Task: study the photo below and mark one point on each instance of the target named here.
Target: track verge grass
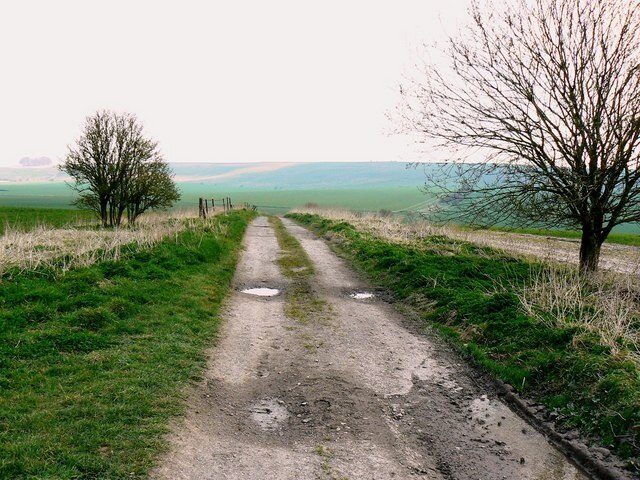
(303, 304)
(468, 293)
(94, 363)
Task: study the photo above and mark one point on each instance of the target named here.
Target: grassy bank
(470, 294)
(93, 363)
(25, 219)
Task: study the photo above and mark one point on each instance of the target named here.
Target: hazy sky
(232, 81)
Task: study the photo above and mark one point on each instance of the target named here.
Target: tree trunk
(589, 251)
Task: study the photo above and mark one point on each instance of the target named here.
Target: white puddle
(262, 292)
(362, 295)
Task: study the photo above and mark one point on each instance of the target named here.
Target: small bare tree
(541, 105)
(117, 169)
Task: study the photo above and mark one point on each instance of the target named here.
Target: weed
(326, 457)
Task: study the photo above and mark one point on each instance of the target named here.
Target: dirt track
(360, 395)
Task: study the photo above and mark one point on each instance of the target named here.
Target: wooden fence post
(200, 209)
(206, 206)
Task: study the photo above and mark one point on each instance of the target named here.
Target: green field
(93, 363)
(25, 218)
(279, 201)
(59, 195)
(37, 195)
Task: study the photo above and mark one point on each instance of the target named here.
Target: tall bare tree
(117, 169)
(541, 104)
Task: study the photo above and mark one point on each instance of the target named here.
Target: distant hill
(300, 176)
(259, 176)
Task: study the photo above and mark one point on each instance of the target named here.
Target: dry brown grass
(64, 248)
(606, 304)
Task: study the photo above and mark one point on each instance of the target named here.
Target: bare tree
(541, 105)
(117, 169)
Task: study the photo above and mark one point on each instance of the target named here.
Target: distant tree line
(117, 170)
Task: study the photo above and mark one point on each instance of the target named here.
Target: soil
(358, 395)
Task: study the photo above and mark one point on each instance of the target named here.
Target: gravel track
(360, 395)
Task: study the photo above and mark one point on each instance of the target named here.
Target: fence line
(204, 204)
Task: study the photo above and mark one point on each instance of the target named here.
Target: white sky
(213, 81)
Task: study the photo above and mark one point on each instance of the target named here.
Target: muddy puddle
(269, 414)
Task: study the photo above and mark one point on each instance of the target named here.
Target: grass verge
(302, 303)
(469, 293)
(93, 363)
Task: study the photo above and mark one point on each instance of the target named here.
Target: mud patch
(261, 291)
(436, 373)
(269, 414)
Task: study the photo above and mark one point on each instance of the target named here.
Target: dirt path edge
(574, 449)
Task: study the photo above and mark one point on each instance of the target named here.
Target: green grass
(25, 219)
(631, 239)
(37, 195)
(94, 363)
(565, 368)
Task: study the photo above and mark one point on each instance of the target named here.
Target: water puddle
(262, 291)
(362, 295)
(269, 413)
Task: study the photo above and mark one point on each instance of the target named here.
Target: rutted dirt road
(357, 395)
